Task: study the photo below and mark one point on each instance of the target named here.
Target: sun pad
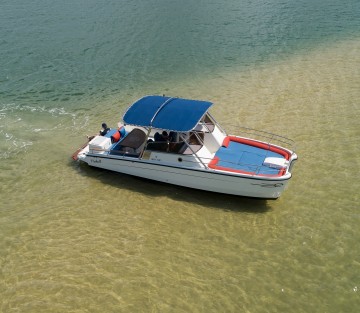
(244, 158)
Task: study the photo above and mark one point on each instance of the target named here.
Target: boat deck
(240, 155)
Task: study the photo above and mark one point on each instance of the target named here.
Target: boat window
(193, 142)
(208, 123)
(179, 143)
(196, 138)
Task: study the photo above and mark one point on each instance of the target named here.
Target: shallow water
(77, 239)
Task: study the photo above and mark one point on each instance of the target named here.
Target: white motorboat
(177, 141)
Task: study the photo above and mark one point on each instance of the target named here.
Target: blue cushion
(111, 132)
(122, 131)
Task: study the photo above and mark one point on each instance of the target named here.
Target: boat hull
(203, 179)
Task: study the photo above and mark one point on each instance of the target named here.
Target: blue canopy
(166, 113)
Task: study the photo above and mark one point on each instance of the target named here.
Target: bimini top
(166, 113)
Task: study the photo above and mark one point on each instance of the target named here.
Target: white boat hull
(203, 179)
(177, 141)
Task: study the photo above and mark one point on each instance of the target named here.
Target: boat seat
(177, 147)
(158, 146)
(130, 144)
(111, 132)
(172, 147)
(134, 139)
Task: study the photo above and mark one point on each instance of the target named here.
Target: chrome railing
(260, 135)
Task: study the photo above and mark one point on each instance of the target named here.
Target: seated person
(104, 129)
(163, 137)
(173, 137)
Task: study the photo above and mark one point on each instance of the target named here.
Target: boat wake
(22, 125)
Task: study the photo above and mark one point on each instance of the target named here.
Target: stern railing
(264, 136)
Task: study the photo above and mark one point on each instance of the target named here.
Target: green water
(77, 239)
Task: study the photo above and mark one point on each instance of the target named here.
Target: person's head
(103, 125)
(165, 134)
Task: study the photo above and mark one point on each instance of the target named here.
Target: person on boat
(163, 137)
(104, 129)
(172, 136)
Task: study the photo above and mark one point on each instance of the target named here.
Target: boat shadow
(178, 193)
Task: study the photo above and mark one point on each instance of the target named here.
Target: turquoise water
(77, 239)
(57, 52)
